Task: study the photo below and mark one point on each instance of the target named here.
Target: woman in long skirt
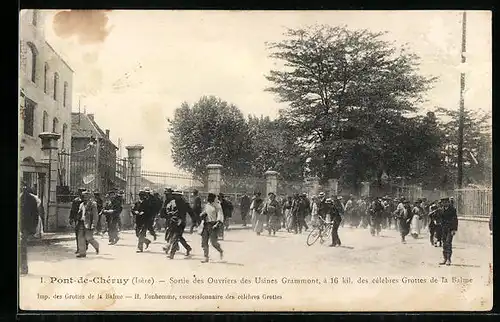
(287, 211)
(255, 208)
(415, 220)
(272, 211)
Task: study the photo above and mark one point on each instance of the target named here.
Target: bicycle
(322, 232)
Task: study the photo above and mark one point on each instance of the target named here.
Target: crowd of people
(92, 215)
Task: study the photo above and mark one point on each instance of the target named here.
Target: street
(281, 261)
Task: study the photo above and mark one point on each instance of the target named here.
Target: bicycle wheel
(313, 236)
(326, 234)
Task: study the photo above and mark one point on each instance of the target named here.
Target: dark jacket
(227, 208)
(449, 218)
(180, 209)
(90, 214)
(114, 207)
(197, 208)
(323, 208)
(75, 205)
(29, 213)
(245, 203)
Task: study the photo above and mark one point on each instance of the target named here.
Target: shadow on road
(58, 252)
(228, 263)
(465, 265)
(230, 240)
(346, 247)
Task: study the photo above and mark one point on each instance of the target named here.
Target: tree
(274, 148)
(210, 131)
(348, 92)
(477, 162)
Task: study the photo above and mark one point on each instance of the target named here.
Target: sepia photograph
(255, 161)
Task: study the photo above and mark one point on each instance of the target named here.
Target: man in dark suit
(28, 222)
(75, 206)
(195, 221)
(245, 208)
(449, 224)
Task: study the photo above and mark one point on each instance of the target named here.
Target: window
(56, 82)
(34, 21)
(29, 116)
(55, 123)
(45, 78)
(45, 121)
(65, 93)
(64, 130)
(31, 62)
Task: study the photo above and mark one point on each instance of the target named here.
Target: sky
(134, 68)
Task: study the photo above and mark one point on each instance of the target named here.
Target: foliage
(348, 92)
(210, 131)
(476, 146)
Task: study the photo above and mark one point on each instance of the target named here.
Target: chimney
(107, 133)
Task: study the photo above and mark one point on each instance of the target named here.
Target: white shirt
(214, 212)
(82, 209)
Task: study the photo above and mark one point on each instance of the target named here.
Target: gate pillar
(214, 178)
(134, 177)
(50, 156)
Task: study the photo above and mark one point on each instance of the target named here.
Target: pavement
(400, 277)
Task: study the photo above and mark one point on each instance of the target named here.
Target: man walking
(175, 210)
(227, 212)
(212, 221)
(449, 222)
(196, 210)
(75, 206)
(376, 213)
(100, 205)
(152, 206)
(141, 210)
(28, 222)
(435, 226)
(336, 217)
(85, 223)
(112, 211)
(244, 208)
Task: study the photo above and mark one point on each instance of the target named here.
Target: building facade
(93, 157)
(46, 84)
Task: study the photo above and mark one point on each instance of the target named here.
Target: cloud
(88, 25)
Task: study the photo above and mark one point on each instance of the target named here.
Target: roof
(84, 126)
(59, 56)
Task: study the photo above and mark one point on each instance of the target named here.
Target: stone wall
(474, 231)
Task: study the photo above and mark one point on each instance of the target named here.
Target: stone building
(46, 83)
(93, 157)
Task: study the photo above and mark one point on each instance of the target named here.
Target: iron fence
(474, 202)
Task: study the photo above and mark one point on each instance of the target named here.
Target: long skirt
(255, 216)
(289, 219)
(415, 225)
(273, 223)
(259, 225)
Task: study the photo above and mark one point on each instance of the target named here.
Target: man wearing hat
(197, 209)
(272, 212)
(403, 215)
(212, 221)
(245, 208)
(435, 228)
(86, 220)
(100, 205)
(449, 223)
(151, 208)
(140, 210)
(174, 210)
(112, 211)
(75, 206)
(227, 212)
(376, 213)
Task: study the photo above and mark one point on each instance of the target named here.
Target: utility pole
(461, 114)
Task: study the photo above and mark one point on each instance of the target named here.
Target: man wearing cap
(100, 205)
(140, 211)
(435, 226)
(151, 206)
(403, 215)
(75, 206)
(244, 208)
(227, 212)
(212, 220)
(449, 223)
(376, 213)
(86, 220)
(112, 211)
(174, 211)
